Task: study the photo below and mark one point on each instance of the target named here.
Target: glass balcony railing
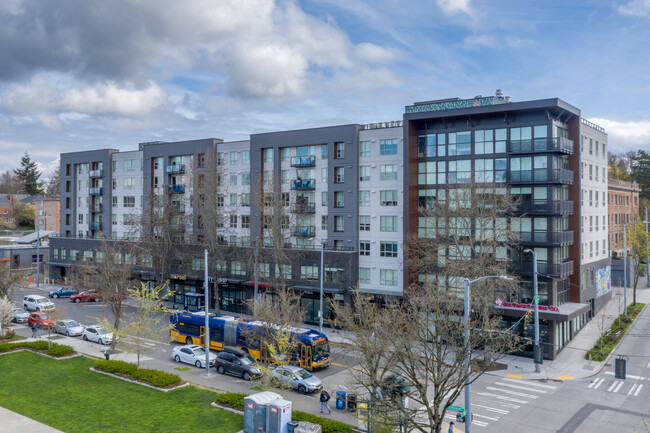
(303, 184)
(96, 173)
(555, 270)
(303, 161)
(542, 175)
(546, 238)
(97, 208)
(95, 226)
(175, 168)
(305, 231)
(177, 189)
(96, 191)
(301, 208)
(546, 207)
(557, 144)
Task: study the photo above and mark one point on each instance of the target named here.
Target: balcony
(545, 207)
(96, 191)
(178, 207)
(97, 208)
(302, 208)
(303, 184)
(303, 161)
(175, 169)
(560, 238)
(96, 173)
(557, 144)
(554, 270)
(542, 175)
(95, 226)
(305, 231)
(176, 189)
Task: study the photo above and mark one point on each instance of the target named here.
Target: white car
(20, 315)
(37, 303)
(192, 354)
(97, 334)
(68, 327)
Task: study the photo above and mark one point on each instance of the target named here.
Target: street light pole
(320, 305)
(207, 316)
(647, 258)
(255, 284)
(38, 256)
(468, 386)
(536, 303)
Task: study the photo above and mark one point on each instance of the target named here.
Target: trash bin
(107, 355)
(340, 400)
(291, 426)
(352, 402)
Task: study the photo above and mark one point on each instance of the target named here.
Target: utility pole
(207, 316)
(38, 256)
(647, 259)
(536, 303)
(255, 282)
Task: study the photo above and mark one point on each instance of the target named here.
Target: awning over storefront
(317, 289)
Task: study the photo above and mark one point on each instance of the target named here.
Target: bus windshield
(321, 349)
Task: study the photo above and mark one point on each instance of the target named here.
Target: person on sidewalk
(34, 330)
(40, 329)
(451, 427)
(324, 398)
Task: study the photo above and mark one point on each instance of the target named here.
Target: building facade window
(388, 172)
(388, 249)
(388, 223)
(388, 277)
(364, 173)
(364, 248)
(388, 198)
(339, 150)
(364, 275)
(364, 223)
(364, 198)
(364, 148)
(388, 147)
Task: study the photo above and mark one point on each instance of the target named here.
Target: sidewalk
(14, 422)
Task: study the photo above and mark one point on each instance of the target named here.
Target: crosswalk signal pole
(537, 359)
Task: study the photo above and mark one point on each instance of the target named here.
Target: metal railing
(176, 189)
(303, 161)
(546, 207)
(300, 208)
(542, 175)
(545, 268)
(303, 184)
(96, 191)
(96, 173)
(552, 238)
(305, 231)
(175, 168)
(556, 144)
(97, 208)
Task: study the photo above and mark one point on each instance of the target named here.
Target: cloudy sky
(86, 74)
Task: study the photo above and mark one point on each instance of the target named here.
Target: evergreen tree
(640, 171)
(29, 174)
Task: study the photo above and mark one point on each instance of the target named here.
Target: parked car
(69, 327)
(238, 363)
(297, 378)
(97, 334)
(40, 317)
(192, 354)
(86, 296)
(37, 303)
(20, 315)
(63, 292)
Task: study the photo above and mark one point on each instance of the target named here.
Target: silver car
(71, 328)
(297, 378)
(20, 315)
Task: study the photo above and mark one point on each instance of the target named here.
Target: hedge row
(614, 334)
(160, 379)
(236, 401)
(55, 350)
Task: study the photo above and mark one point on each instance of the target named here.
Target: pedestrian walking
(451, 427)
(34, 334)
(40, 329)
(324, 398)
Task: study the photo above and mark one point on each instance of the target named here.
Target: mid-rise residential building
(46, 214)
(623, 208)
(7, 220)
(351, 193)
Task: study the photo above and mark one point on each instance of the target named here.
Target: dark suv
(237, 363)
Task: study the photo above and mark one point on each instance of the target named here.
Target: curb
(229, 409)
(140, 383)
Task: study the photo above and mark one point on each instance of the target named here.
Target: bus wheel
(189, 340)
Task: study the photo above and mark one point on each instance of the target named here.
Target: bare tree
(11, 183)
(53, 185)
(9, 281)
(111, 274)
(418, 349)
(6, 314)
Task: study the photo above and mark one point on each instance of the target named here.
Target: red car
(85, 296)
(40, 317)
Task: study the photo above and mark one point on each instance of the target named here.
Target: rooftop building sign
(453, 104)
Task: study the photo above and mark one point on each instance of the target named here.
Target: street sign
(457, 408)
(537, 300)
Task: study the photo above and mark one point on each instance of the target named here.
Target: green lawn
(68, 396)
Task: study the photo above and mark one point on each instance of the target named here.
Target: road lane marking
(541, 391)
(596, 383)
(619, 386)
(630, 376)
(501, 397)
(492, 409)
(633, 388)
(538, 385)
(648, 366)
(507, 391)
(638, 390)
(518, 376)
(612, 386)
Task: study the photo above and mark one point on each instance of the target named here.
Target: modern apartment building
(623, 208)
(530, 148)
(47, 214)
(354, 191)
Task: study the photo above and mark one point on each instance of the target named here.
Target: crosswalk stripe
(627, 376)
(633, 388)
(541, 391)
(599, 381)
(612, 386)
(507, 391)
(492, 409)
(538, 385)
(484, 416)
(618, 387)
(500, 397)
(638, 390)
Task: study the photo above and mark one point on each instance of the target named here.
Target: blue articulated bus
(312, 351)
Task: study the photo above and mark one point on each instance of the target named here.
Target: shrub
(35, 345)
(58, 350)
(8, 334)
(232, 399)
(156, 377)
(329, 426)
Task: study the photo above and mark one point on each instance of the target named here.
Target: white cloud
(480, 41)
(47, 94)
(625, 136)
(450, 7)
(637, 8)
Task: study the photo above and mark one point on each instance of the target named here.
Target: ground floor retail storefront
(557, 325)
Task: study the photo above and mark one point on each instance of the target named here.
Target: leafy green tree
(29, 174)
(23, 214)
(640, 171)
(637, 245)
